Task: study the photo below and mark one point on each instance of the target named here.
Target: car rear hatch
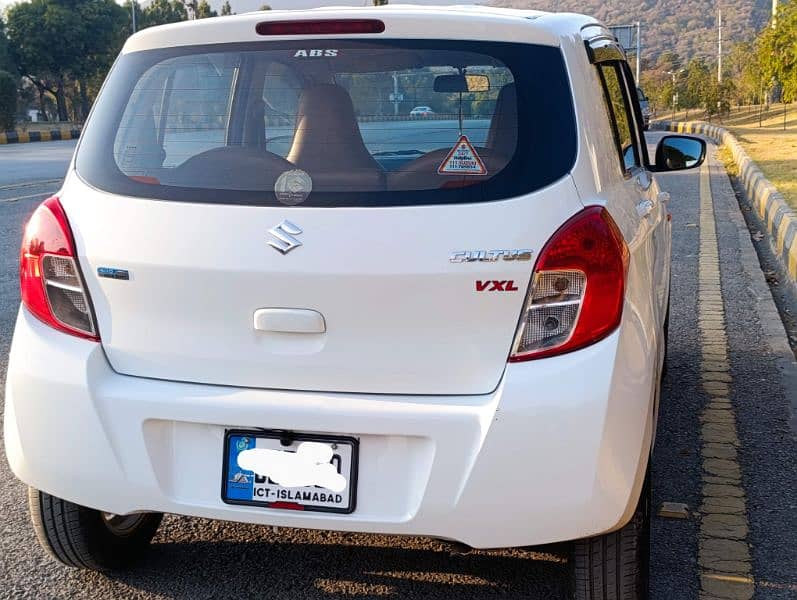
(251, 215)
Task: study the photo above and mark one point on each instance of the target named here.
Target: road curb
(18, 136)
(772, 212)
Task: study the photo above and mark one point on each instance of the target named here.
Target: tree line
(55, 54)
(758, 71)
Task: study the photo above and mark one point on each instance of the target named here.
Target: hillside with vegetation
(685, 27)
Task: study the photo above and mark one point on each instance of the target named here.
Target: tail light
(50, 282)
(577, 290)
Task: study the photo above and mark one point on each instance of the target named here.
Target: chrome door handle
(643, 180)
(644, 208)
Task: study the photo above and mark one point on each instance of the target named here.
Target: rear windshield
(332, 123)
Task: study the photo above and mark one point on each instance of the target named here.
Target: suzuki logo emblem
(284, 232)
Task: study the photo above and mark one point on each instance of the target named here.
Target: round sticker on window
(293, 187)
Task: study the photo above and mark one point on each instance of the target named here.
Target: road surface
(196, 558)
(20, 163)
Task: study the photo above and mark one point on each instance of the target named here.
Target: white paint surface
(309, 465)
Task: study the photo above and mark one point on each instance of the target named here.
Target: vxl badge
(283, 237)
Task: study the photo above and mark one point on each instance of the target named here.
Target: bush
(8, 101)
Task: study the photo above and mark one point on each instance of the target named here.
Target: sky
(241, 6)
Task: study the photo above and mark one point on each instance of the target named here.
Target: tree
(265, 7)
(696, 84)
(6, 61)
(226, 9)
(127, 5)
(778, 51)
(8, 100)
(743, 67)
(33, 28)
(657, 85)
(161, 12)
(59, 44)
(657, 81)
(203, 10)
(103, 23)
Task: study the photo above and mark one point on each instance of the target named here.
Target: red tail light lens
(578, 288)
(320, 27)
(50, 282)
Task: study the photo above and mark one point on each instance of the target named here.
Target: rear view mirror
(676, 152)
(461, 83)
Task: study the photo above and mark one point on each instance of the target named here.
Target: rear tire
(86, 538)
(614, 566)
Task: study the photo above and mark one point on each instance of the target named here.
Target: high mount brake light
(577, 290)
(320, 27)
(49, 279)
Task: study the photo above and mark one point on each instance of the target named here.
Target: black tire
(614, 566)
(86, 538)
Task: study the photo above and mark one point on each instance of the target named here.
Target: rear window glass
(332, 123)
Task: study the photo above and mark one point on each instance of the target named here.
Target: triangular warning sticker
(462, 160)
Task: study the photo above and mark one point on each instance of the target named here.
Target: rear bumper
(558, 451)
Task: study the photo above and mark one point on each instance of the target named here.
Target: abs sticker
(316, 53)
(462, 160)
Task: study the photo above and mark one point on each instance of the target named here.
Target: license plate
(286, 470)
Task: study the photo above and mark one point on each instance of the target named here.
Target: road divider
(19, 136)
(773, 214)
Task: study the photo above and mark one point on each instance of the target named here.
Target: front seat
(328, 145)
(502, 138)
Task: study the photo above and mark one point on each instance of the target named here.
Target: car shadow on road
(344, 565)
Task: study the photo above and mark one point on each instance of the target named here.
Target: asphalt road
(196, 558)
(20, 163)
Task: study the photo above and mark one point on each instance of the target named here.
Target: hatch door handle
(289, 320)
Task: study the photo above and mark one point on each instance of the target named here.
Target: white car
(421, 111)
(467, 317)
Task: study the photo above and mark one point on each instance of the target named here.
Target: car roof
(485, 23)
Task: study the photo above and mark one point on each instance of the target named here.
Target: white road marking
(18, 198)
(24, 184)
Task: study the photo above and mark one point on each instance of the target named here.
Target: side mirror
(677, 152)
(461, 83)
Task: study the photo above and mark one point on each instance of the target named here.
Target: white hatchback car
(263, 297)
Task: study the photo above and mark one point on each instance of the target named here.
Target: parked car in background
(447, 330)
(644, 105)
(421, 111)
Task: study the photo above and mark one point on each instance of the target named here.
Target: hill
(684, 26)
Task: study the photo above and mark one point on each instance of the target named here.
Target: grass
(771, 146)
(726, 157)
